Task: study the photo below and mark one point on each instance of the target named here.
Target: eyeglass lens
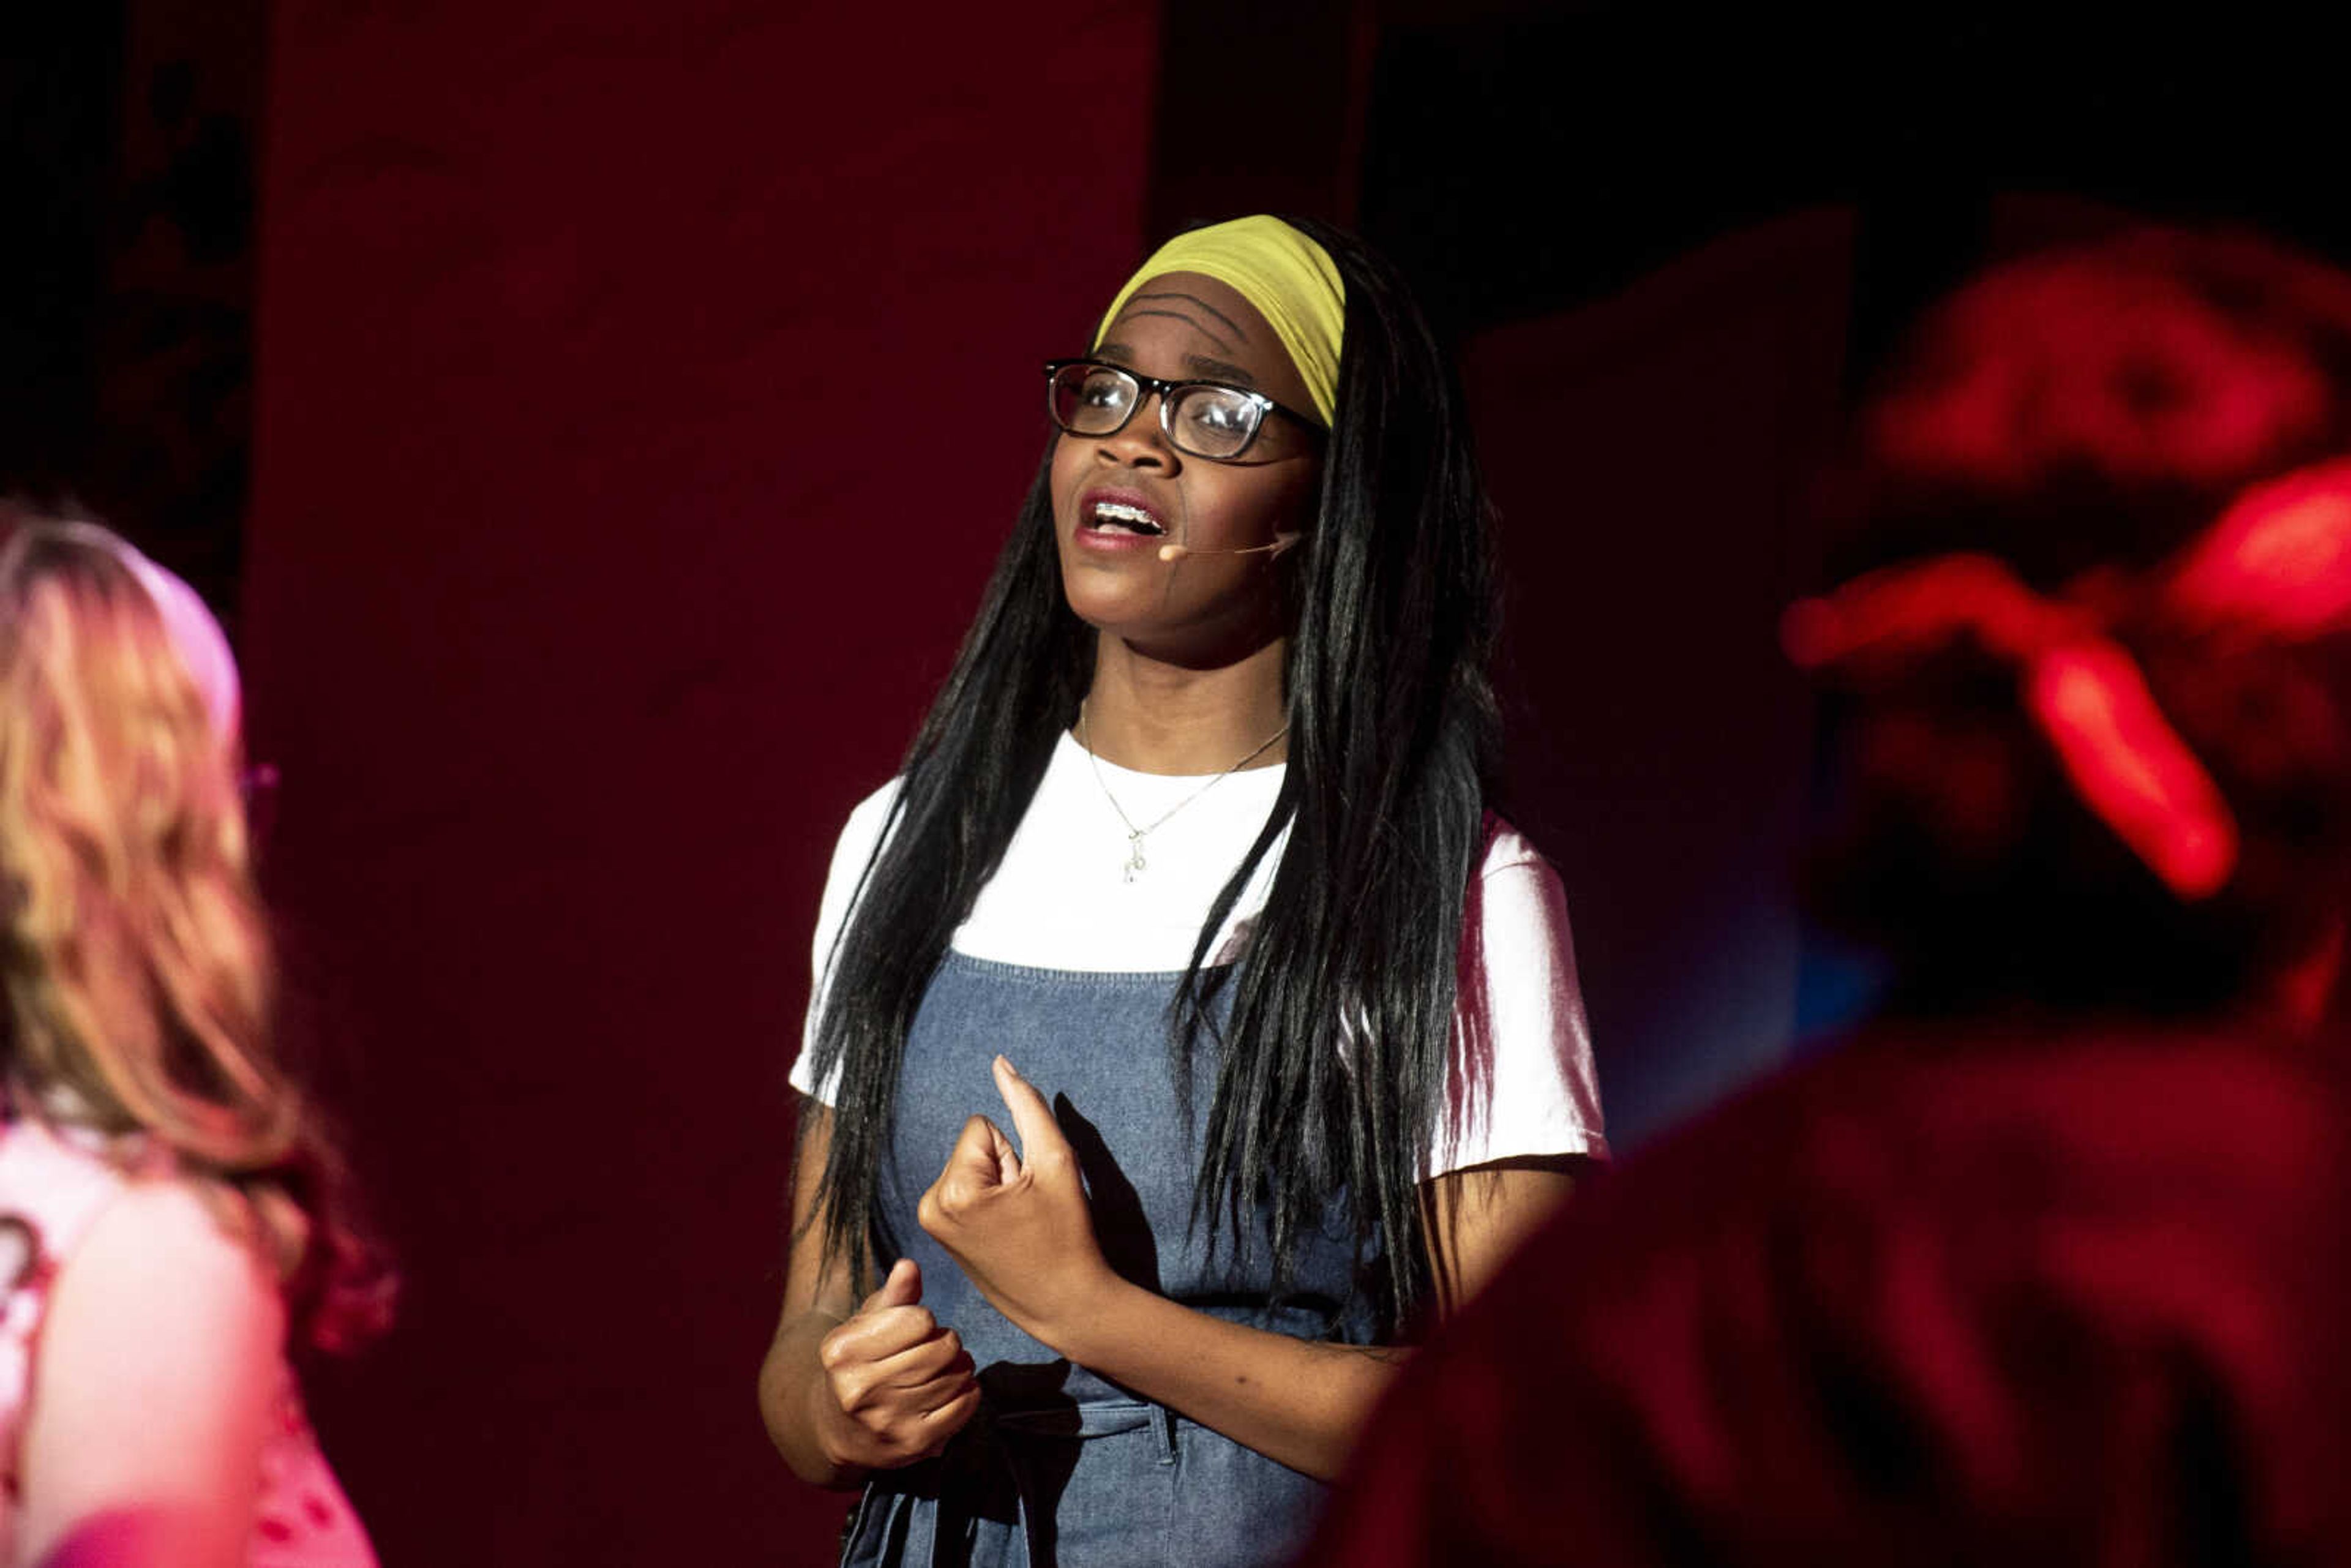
(1203, 420)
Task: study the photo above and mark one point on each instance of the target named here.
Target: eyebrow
(1219, 370)
(1202, 367)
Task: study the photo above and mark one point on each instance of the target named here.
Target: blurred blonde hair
(137, 961)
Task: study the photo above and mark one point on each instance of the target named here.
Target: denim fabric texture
(1062, 1468)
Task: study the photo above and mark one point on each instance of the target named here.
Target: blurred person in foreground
(169, 1212)
(2045, 1264)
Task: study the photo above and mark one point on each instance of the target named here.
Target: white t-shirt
(1061, 900)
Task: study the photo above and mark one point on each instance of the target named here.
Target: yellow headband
(1285, 274)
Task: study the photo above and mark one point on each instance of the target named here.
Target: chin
(1106, 608)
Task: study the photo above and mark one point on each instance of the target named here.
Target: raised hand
(1016, 1219)
(897, 1385)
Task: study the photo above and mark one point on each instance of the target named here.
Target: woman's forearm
(1019, 1222)
(1299, 1402)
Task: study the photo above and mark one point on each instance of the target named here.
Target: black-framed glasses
(1204, 418)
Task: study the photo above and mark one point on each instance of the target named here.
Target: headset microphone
(1282, 541)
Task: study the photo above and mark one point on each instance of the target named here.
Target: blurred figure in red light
(2047, 1263)
(169, 1213)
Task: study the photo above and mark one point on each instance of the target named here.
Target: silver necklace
(1136, 866)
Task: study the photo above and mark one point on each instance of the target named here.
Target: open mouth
(1123, 518)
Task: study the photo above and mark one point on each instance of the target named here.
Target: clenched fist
(1018, 1220)
(896, 1384)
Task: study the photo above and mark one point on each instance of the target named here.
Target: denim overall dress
(1060, 1467)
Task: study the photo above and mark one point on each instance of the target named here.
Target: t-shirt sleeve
(850, 853)
(1521, 1083)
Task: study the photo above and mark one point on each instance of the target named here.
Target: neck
(1157, 717)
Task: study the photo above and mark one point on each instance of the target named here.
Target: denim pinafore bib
(1060, 1467)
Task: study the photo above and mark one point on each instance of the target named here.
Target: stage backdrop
(1651, 456)
(644, 393)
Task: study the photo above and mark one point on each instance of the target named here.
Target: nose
(1140, 442)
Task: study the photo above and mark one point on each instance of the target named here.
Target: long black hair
(1335, 1048)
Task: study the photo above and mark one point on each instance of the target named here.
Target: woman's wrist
(827, 1435)
(1076, 1324)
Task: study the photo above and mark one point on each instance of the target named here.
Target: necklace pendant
(1135, 866)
